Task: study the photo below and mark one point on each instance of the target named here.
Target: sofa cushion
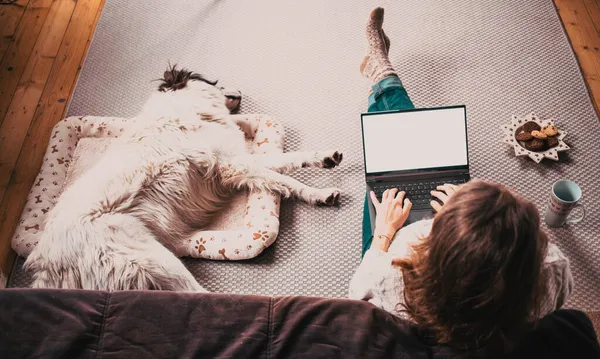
(151, 324)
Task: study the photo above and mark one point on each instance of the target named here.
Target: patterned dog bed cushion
(248, 225)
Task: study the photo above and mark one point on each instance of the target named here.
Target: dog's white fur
(116, 226)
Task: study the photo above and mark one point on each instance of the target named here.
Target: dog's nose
(232, 98)
(232, 103)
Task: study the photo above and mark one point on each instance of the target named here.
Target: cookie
(535, 145)
(530, 126)
(550, 130)
(552, 142)
(539, 135)
(524, 136)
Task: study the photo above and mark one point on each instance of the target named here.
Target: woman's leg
(388, 94)
(388, 91)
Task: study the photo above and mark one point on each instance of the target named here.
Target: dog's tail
(111, 252)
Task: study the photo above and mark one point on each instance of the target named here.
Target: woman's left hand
(443, 193)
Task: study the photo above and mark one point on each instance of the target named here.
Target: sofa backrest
(139, 324)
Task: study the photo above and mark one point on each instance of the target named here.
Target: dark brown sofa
(140, 324)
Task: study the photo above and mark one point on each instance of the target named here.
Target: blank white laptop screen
(415, 140)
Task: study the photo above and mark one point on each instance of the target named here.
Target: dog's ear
(168, 75)
(199, 77)
(173, 79)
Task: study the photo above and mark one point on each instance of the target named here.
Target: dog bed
(241, 231)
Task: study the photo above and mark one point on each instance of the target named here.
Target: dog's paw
(333, 160)
(330, 197)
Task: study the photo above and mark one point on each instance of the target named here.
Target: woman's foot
(376, 65)
(386, 41)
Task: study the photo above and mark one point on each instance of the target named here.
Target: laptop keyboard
(419, 192)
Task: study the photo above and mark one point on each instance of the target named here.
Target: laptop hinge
(420, 175)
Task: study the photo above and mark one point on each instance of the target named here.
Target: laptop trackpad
(417, 215)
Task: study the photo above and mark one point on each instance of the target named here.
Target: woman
(479, 273)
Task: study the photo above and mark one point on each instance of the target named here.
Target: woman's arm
(376, 277)
(559, 281)
(369, 274)
(376, 280)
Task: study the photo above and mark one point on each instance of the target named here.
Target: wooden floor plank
(29, 90)
(20, 49)
(593, 10)
(10, 16)
(582, 33)
(585, 40)
(51, 109)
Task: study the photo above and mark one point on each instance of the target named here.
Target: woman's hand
(443, 193)
(391, 212)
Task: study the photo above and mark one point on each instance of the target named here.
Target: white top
(381, 284)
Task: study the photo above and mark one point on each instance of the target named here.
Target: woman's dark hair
(475, 281)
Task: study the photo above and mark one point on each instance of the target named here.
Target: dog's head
(178, 79)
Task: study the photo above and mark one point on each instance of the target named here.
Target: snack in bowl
(535, 145)
(539, 135)
(530, 126)
(552, 142)
(524, 136)
(550, 130)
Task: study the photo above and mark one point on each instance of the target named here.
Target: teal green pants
(388, 94)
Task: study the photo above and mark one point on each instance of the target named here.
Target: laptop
(415, 151)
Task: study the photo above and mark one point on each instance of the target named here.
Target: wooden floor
(43, 44)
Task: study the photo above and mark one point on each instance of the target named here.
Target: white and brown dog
(181, 160)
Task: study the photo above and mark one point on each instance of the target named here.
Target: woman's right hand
(391, 212)
(443, 193)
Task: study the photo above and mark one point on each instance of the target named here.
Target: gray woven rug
(298, 61)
